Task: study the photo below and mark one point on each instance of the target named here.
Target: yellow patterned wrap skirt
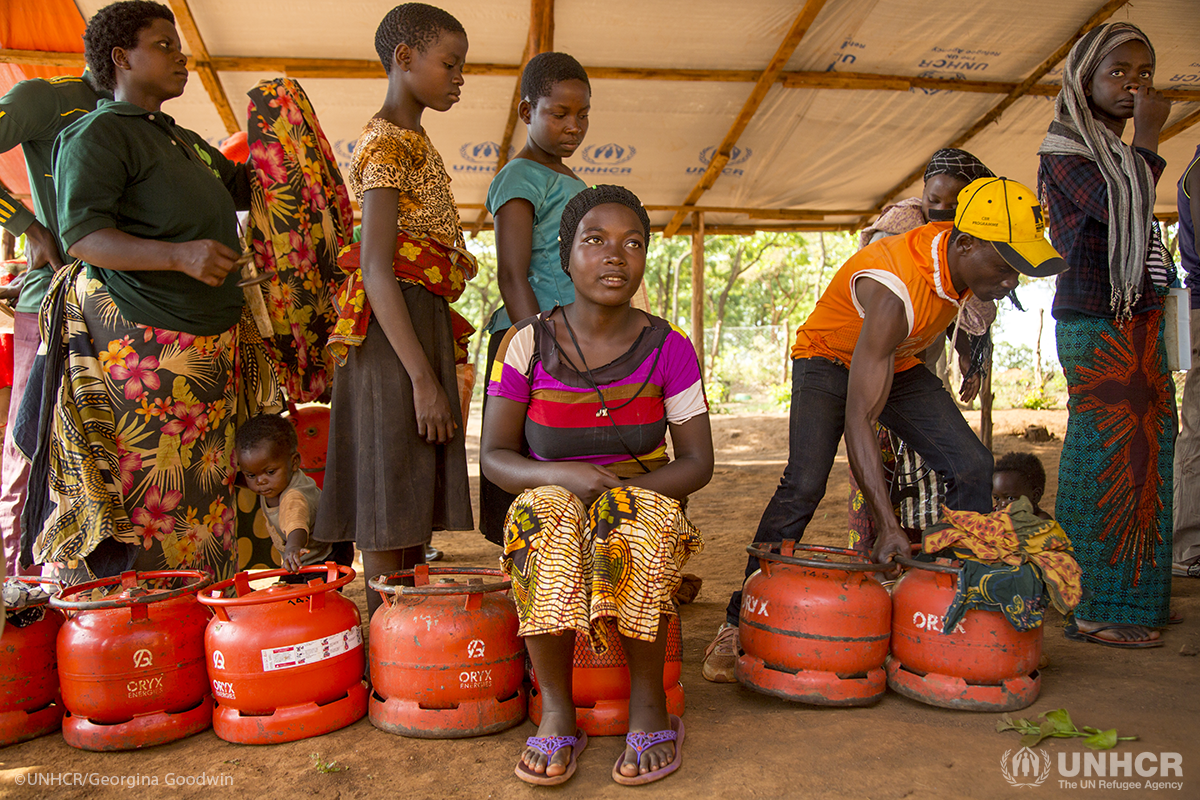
(572, 566)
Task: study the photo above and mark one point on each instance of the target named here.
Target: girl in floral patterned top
(396, 469)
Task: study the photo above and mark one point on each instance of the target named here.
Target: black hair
(117, 25)
(417, 25)
(546, 69)
(267, 428)
(1027, 465)
(578, 207)
(957, 164)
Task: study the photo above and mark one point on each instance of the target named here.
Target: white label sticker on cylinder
(297, 655)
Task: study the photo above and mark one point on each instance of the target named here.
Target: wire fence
(747, 361)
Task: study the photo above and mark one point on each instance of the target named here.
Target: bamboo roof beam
(1022, 89)
(202, 65)
(362, 69)
(1179, 127)
(792, 214)
(541, 40)
(766, 80)
(781, 214)
(43, 58)
(737, 230)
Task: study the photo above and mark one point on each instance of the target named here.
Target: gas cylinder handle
(381, 583)
(61, 600)
(37, 579)
(949, 569)
(257, 598)
(765, 552)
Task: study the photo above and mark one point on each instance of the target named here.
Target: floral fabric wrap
(1014, 536)
(300, 218)
(141, 444)
(440, 268)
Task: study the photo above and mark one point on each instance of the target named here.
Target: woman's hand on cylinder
(435, 423)
(206, 260)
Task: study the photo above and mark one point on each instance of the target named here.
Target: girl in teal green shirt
(527, 198)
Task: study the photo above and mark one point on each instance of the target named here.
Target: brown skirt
(386, 488)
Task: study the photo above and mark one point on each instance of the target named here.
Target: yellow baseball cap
(1008, 215)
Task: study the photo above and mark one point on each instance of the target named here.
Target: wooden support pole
(804, 20)
(201, 64)
(1023, 88)
(540, 40)
(698, 285)
(985, 405)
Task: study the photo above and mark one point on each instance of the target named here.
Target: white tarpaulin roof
(803, 148)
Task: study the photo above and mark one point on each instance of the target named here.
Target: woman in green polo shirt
(157, 368)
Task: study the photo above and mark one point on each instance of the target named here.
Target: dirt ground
(739, 743)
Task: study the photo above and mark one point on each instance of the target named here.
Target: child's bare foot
(657, 756)
(553, 724)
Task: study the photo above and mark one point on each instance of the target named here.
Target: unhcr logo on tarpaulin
(607, 159)
(740, 155)
(480, 157)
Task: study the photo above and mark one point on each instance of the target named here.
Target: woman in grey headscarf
(1115, 475)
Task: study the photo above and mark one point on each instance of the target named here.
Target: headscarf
(957, 164)
(1075, 132)
(907, 214)
(578, 207)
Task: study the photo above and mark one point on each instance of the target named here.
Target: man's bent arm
(885, 326)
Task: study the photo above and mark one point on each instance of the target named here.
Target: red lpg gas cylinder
(984, 664)
(814, 630)
(600, 682)
(131, 664)
(286, 662)
(312, 433)
(446, 661)
(30, 701)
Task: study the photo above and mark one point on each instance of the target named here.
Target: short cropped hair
(117, 25)
(1027, 465)
(546, 69)
(279, 432)
(417, 25)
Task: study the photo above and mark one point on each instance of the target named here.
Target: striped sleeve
(511, 376)
(683, 387)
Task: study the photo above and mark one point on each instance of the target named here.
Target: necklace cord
(605, 411)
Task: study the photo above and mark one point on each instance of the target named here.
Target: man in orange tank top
(857, 361)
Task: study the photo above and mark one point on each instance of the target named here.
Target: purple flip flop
(549, 745)
(641, 741)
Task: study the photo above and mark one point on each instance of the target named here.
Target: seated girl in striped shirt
(598, 529)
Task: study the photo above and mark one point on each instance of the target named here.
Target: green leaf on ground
(1102, 740)
(1060, 719)
(1058, 724)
